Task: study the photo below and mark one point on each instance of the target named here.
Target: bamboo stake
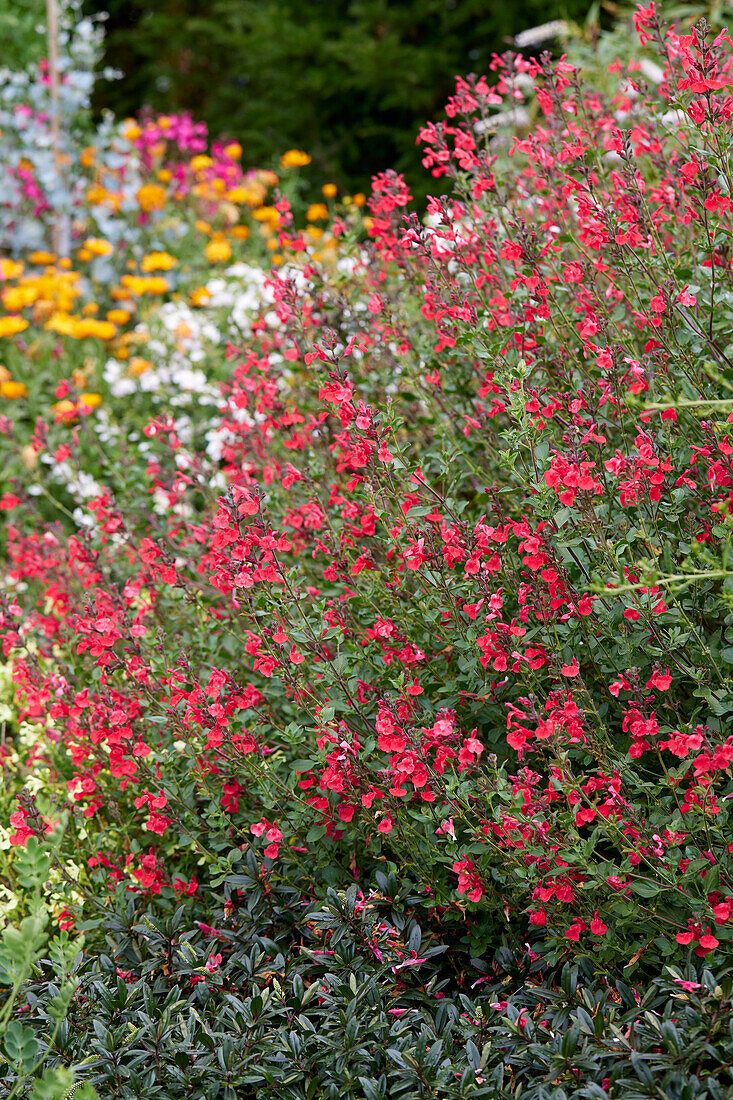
(58, 234)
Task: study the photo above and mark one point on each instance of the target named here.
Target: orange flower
(294, 158)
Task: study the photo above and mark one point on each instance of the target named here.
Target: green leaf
(645, 889)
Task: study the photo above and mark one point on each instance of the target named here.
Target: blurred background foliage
(349, 81)
(22, 33)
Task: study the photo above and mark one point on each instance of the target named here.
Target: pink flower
(213, 963)
(689, 987)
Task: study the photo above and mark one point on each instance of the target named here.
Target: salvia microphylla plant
(452, 593)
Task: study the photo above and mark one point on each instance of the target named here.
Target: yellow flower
(97, 194)
(158, 261)
(329, 190)
(84, 255)
(218, 251)
(164, 122)
(240, 232)
(131, 130)
(87, 327)
(65, 263)
(91, 400)
(65, 408)
(200, 296)
(118, 316)
(267, 214)
(41, 258)
(145, 284)
(314, 232)
(294, 158)
(11, 326)
(317, 211)
(138, 366)
(100, 330)
(87, 156)
(89, 309)
(252, 194)
(202, 226)
(233, 150)
(98, 247)
(151, 196)
(200, 162)
(18, 297)
(10, 269)
(164, 175)
(13, 390)
(60, 322)
(237, 194)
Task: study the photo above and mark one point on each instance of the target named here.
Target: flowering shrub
(445, 588)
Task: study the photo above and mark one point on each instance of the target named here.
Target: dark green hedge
(302, 1000)
(350, 81)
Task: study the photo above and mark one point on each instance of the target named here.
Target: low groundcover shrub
(402, 675)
